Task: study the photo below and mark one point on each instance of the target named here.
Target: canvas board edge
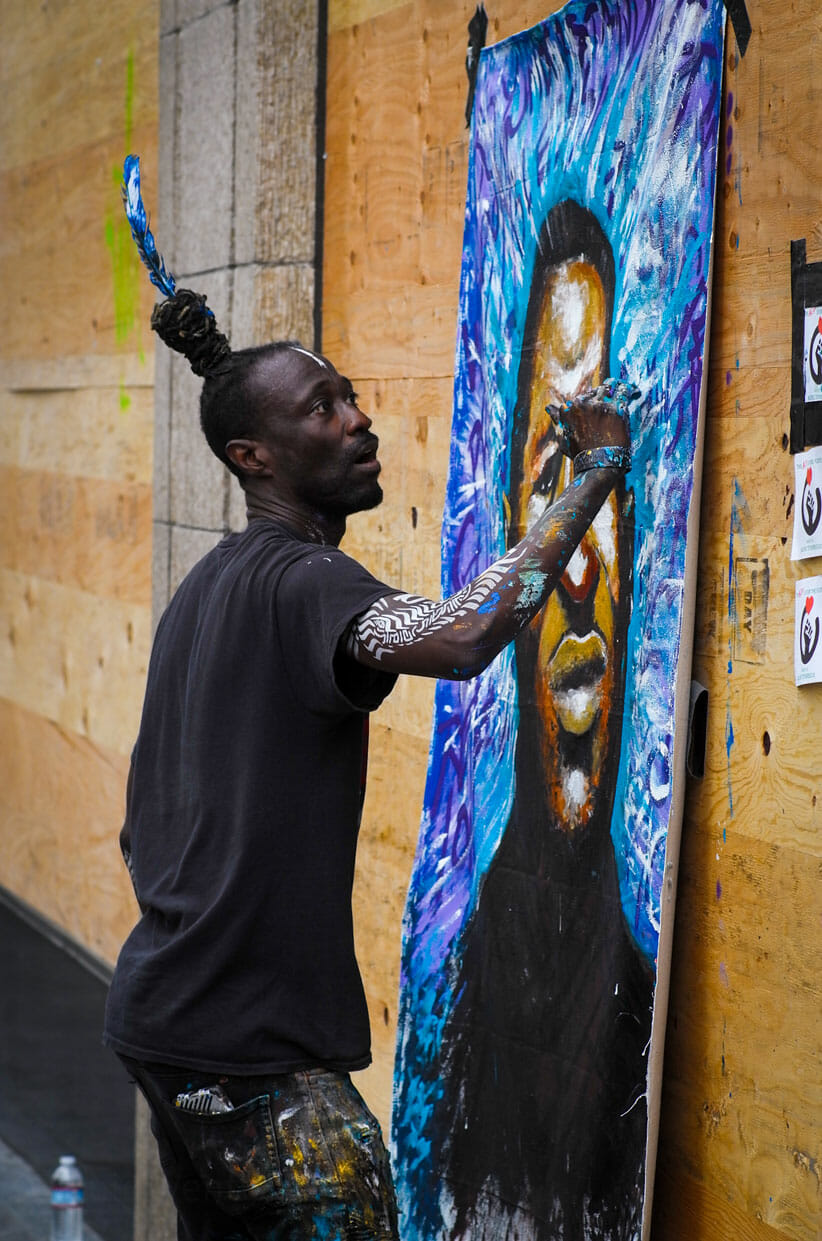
(659, 1021)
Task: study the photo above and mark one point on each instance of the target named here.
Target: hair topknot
(185, 323)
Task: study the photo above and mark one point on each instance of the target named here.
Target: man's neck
(309, 525)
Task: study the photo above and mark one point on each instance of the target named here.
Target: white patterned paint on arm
(398, 621)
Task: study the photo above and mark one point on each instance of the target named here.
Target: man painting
(237, 1003)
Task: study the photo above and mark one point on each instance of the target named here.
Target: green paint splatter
(125, 264)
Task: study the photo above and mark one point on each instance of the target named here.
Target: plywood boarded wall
(740, 1150)
(739, 1156)
(78, 88)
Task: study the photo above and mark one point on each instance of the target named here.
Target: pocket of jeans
(234, 1153)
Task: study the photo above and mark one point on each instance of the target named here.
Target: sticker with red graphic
(813, 353)
(807, 504)
(807, 655)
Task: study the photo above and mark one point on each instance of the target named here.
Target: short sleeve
(318, 597)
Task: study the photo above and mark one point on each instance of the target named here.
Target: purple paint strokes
(718, 890)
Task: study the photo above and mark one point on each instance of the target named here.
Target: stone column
(241, 105)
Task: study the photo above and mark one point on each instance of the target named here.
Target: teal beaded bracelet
(611, 456)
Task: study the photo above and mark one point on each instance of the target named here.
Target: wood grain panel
(395, 181)
(70, 372)
(726, 617)
(740, 1111)
(62, 69)
(686, 1208)
(345, 13)
(70, 284)
(61, 807)
(375, 227)
(387, 843)
(743, 1105)
(81, 432)
(750, 474)
(91, 534)
(410, 333)
(75, 658)
(400, 543)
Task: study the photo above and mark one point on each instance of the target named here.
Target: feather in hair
(158, 274)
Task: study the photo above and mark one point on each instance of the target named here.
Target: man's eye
(353, 397)
(321, 407)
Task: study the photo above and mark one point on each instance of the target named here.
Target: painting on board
(535, 943)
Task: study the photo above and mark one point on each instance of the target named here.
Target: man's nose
(581, 572)
(357, 421)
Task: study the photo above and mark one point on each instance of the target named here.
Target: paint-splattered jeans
(298, 1158)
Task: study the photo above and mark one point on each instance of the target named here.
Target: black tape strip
(806, 290)
(740, 22)
(477, 30)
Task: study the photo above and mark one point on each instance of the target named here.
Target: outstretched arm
(458, 638)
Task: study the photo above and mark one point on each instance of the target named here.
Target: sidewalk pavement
(25, 1213)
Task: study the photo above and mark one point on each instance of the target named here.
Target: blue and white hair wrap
(158, 273)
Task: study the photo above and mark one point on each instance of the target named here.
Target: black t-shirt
(243, 813)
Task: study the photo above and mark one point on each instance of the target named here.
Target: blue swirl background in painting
(614, 104)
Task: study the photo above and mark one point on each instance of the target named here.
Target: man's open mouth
(367, 456)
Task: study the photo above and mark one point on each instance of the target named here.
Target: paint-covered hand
(459, 637)
(595, 419)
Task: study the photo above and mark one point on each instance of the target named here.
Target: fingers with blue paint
(560, 427)
(614, 392)
(596, 423)
(459, 636)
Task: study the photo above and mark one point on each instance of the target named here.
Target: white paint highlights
(308, 354)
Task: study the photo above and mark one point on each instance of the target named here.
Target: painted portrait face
(569, 660)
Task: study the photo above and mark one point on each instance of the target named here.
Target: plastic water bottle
(67, 1201)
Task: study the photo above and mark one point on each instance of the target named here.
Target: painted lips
(575, 677)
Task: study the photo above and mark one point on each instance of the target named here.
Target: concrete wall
(237, 165)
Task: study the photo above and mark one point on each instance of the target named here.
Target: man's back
(243, 815)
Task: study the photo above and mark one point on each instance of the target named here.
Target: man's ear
(249, 456)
